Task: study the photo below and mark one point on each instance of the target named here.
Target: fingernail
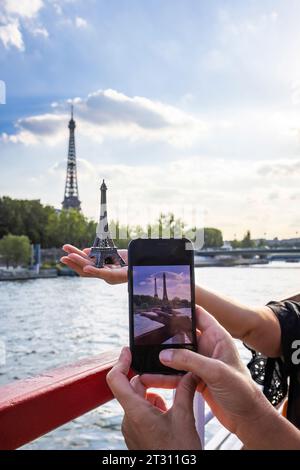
(124, 352)
(166, 355)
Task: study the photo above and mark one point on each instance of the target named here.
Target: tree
(70, 226)
(247, 242)
(52, 228)
(24, 217)
(213, 237)
(15, 250)
(235, 243)
(261, 243)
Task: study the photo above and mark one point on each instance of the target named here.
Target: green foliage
(246, 242)
(146, 302)
(52, 228)
(24, 217)
(235, 244)
(262, 243)
(213, 238)
(69, 226)
(15, 250)
(43, 224)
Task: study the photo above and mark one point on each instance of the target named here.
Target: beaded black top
(281, 376)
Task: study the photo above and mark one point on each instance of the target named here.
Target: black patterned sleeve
(273, 373)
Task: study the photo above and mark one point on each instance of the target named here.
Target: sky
(177, 280)
(190, 106)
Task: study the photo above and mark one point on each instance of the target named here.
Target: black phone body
(161, 290)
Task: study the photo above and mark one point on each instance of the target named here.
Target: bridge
(282, 253)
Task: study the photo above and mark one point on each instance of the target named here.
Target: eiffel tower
(155, 289)
(71, 199)
(103, 250)
(166, 306)
(165, 294)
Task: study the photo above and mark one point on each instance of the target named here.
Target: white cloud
(22, 8)
(40, 32)
(234, 196)
(289, 168)
(110, 114)
(80, 22)
(15, 15)
(236, 26)
(11, 36)
(32, 130)
(18, 15)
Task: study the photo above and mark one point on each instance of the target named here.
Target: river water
(49, 322)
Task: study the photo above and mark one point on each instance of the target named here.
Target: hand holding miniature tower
(104, 250)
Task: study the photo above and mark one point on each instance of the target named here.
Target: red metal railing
(32, 407)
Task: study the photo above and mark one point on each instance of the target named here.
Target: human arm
(258, 327)
(271, 431)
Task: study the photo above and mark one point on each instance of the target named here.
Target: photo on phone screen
(162, 309)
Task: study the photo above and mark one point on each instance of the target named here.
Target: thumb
(208, 369)
(185, 393)
(138, 386)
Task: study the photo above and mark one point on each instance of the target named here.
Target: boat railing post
(199, 413)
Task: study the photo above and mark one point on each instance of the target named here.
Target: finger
(80, 260)
(124, 255)
(160, 381)
(104, 273)
(156, 400)
(185, 392)
(204, 319)
(138, 386)
(169, 382)
(72, 249)
(119, 384)
(86, 251)
(208, 369)
(114, 276)
(65, 260)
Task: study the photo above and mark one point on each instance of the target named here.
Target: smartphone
(161, 290)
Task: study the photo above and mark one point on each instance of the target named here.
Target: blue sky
(178, 104)
(177, 280)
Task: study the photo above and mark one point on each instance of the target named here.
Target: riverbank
(200, 262)
(29, 274)
(226, 261)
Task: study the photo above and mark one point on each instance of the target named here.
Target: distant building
(284, 243)
(226, 246)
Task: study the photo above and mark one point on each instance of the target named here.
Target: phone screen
(162, 310)
(161, 290)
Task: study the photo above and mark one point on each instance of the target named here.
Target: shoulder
(288, 315)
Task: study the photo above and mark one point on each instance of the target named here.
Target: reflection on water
(45, 323)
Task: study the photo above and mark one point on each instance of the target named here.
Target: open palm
(79, 261)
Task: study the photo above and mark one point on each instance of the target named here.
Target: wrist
(265, 428)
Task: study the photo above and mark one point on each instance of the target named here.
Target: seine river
(46, 323)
